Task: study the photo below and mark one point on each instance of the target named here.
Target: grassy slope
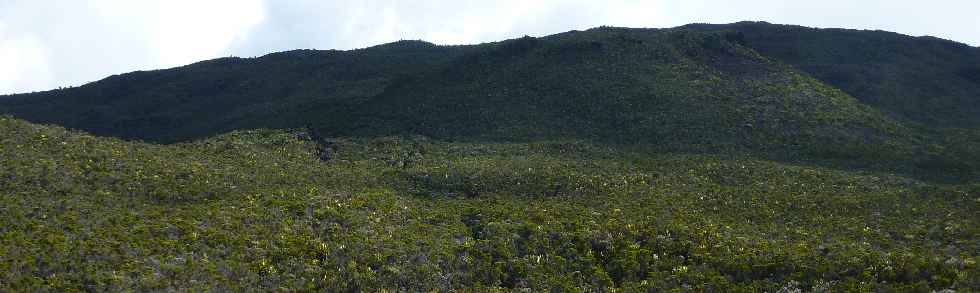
(253, 210)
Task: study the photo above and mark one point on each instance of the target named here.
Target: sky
(46, 44)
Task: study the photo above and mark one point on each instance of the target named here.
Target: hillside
(747, 157)
(924, 79)
(256, 210)
(221, 95)
(775, 91)
(616, 85)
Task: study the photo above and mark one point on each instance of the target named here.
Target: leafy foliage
(257, 210)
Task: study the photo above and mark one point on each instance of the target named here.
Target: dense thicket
(259, 211)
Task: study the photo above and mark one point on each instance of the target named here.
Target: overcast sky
(46, 44)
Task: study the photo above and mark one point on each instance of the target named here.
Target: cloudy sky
(46, 44)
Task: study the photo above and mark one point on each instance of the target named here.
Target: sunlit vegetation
(257, 210)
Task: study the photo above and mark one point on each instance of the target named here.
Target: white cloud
(23, 63)
(82, 41)
(950, 19)
(343, 25)
(190, 30)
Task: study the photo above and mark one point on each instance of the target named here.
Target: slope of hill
(221, 95)
(615, 85)
(674, 89)
(924, 79)
(746, 157)
(698, 70)
(256, 210)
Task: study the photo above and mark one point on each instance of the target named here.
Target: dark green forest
(723, 158)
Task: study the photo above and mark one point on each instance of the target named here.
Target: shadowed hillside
(627, 83)
(924, 79)
(783, 92)
(221, 95)
(674, 88)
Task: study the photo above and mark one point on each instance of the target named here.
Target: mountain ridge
(773, 90)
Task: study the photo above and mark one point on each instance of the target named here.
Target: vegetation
(924, 79)
(217, 96)
(770, 91)
(728, 158)
(257, 210)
